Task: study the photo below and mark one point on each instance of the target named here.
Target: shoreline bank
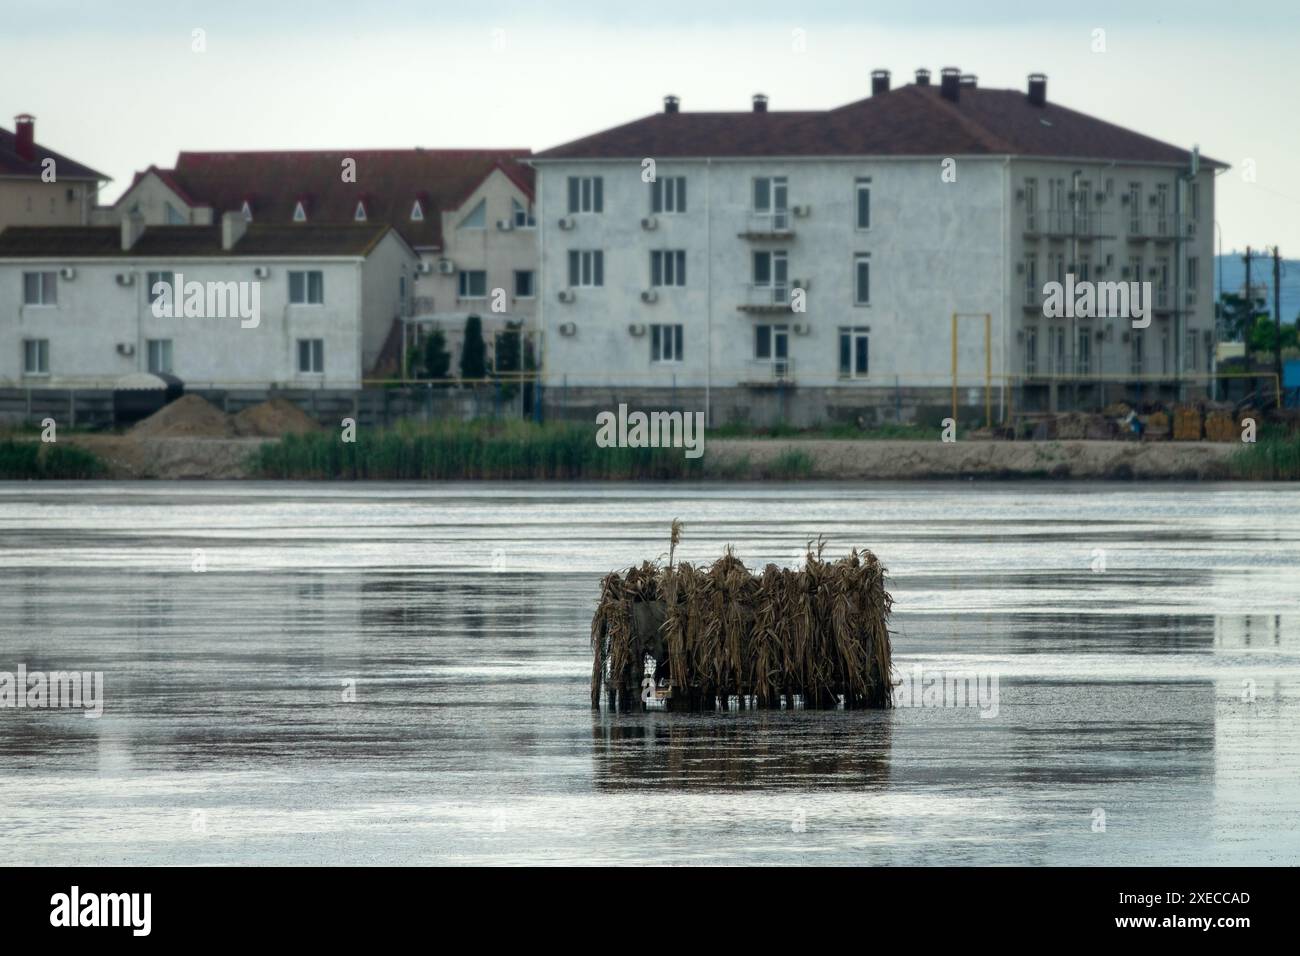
(753, 459)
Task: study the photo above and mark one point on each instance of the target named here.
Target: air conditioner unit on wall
(505, 225)
(566, 222)
(262, 272)
(566, 295)
(802, 328)
(804, 284)
(568, 328)
(446, 267)
(125, 278)
(649, 223)
(801, 211)
(125, 348)
(649, 295)
(68, 272)
(636, 328)
(424, 268)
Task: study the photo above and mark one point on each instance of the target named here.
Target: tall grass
(498, 450)
(24, 460)
(1275, 457)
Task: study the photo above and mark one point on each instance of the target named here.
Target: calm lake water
(1162, 692)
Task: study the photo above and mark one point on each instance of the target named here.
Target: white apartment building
(467, 213)
(77, 304)
(808, 265)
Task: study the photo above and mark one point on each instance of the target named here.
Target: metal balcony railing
(774, 297)
(774, 222)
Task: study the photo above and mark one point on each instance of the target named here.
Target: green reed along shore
(22, 460)
(1274, 457)
(492, 450)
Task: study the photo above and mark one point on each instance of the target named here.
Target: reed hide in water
(816, 635)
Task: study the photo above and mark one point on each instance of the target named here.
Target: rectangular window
(853, 353)
(1189, 352)
(166, 278)
(522, 215)
(523, 284)
(862, 194)
(1056, 340)
(1135, 207)
(665, 343)
(307, 288)
(1031, 205)
(471, 284)
(1031, 279)
(668, 267)
(1031, 351)
(771, 274)
(311, 356)
(586, 268)
(668, 195)
(160, 355)
(862, 279)
(1083, 357)
(40, 288)
(771, 197)
(1194, 201)
(586, 194)
(1135, 354)
(36, 356)
(771, 343)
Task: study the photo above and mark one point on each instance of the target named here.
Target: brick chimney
(950, 83)
(25, 136)
(132, 230)
(1038, 89)
(879, 82)
(233, 227)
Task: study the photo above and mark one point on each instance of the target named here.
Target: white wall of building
(935, 248)
(94, 315)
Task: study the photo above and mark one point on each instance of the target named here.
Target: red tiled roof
(389, 181)
(11, 164)
(907, 121)
(263, 241)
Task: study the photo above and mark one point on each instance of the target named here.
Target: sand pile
(274, 419)
(190, 416)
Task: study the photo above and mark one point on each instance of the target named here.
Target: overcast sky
(117, 85)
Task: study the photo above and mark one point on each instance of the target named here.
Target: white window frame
(586, 195)
(668, 196)
(666, 341)
(42, 352)
(315, 356)
(152, 279)
(299, 212)
(668, 268)
(590, 268)
(417, 212)
(861, 259)
(775, 331)
(164, 348)
(532, 283)
(306, 299)
(522, 215)
(360, 214)
(47, 288)
(464, 288)
(854, 334)
(861, 186)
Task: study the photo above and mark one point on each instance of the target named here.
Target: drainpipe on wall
(708, 293)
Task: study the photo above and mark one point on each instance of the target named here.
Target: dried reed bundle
(817, 635)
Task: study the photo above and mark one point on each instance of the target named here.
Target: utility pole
(1250, 303)
(1277, 315)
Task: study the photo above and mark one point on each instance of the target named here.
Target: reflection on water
(761, 749)
(390, 673)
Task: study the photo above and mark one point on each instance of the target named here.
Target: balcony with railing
(772, 224)
(769, 373)
(1161, 226)
(1068, 223)
(774, 297)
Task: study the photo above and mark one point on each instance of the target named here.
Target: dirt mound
(190, 416)
(274, 419)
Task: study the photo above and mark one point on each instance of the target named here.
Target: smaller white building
(259, 306)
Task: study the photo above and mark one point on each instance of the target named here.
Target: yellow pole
(988, 370)
(954, 369)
